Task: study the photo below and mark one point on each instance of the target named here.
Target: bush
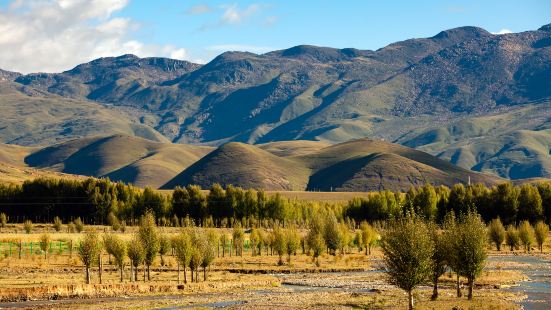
(408, 249)
(238, 236)
(496, 233)
(79, 225)
(58, 224)
(541, 230)
(527, 235)
(3, 220)
(28, 226)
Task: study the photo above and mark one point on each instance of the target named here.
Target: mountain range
(470, 98)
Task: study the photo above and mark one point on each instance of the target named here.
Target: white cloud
(55, 35)
(234, 15)
(502, 31)
(199, 9)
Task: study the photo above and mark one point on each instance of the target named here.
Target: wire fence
(29, 249)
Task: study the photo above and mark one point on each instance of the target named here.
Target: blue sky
(63, 33)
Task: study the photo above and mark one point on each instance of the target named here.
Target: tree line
(100, 201)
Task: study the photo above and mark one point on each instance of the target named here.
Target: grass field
(353, 280)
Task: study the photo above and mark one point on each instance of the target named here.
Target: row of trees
(100, 201)
(417, 251)
(514, 236)
(192, 248)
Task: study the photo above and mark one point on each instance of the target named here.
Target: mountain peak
(462, 33)
(545, 28)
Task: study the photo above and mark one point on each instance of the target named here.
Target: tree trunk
(87, 275)
(122, 268)
(148, 275)
(471, 284)
(185, 275)
(144, 272)
(192, 278)
(100, 270)
(204, 273)
(459, 294)
(197, 274)
(410, 298)
(434, 289)
(178, 271)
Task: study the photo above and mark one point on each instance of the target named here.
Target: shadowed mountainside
(419, 92)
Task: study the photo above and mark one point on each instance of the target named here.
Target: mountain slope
(246, 166)
(406, 92)
(129, 159)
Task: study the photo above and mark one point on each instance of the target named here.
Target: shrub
(541, 230)
(496, 233)
(58, 224)
(408, 249)
(3, 220)
(369, 236)
(79, 225)
(332, 234)
(28, 226)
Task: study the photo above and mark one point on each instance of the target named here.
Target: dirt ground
(339, 282)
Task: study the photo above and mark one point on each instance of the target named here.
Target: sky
(56, 35)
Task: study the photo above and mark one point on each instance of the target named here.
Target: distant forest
(98, 201)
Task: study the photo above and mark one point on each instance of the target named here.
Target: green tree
(279, 243)
(88, 251)
(496, 233)
(118, 250)
(293, 242)
(408, 249)
(45, 241)
(527, 235)
(314, 239)
(369, 236)
(512, 237)
(332, 233)
(542, 231)
(183, 251)
(238, 236)
(164, 246)
(209, 251)
(472, 247)
(150, 239)
(439, 256)
(530, 204)
(136, 254)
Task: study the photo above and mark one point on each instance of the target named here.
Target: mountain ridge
(403, 92)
